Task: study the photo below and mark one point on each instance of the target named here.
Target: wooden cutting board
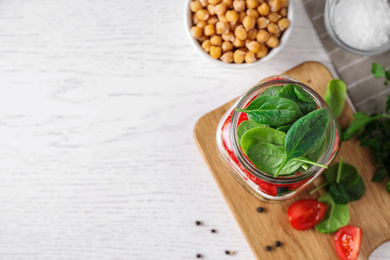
(371, 213)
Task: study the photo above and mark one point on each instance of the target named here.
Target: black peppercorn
(277, 243)
(267, 248)
(198, 256)
(213, 231)
(227, 252)
(260, 209)
(198, 223)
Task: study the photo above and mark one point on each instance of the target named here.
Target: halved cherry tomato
(347, 242)
(305, 214)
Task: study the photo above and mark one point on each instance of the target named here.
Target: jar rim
(332, 131)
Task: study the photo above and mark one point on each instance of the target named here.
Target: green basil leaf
(380, 175)
(349, 175)
(272, 91)
(377, 70)
(335, 96)
(305, 132)
(270, 110)
(338, 193)
(262, 134)
(356, 191)
(305, 102)
(337, 215)
(268, 157)
(244, 127)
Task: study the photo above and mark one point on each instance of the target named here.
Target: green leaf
(244, 127)
(388, 104)
(272, 91)
(305, 102)
(270, 110)
(348, 177)
(338, 193)
(377, 70)
(358, 123)
(285, 128)
(356, 191)
(388, 186)
(268, 157)
(262, 134)
(337, 215)
(335, 96)
(380, 175)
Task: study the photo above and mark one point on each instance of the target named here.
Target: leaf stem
(320, 187)
(339, 170)
(300, 159)
(280, 167)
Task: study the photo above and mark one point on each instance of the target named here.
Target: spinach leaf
(335, 96)
(245, 126)
(377, 70)
(348, 177)
(358, 123)
(315, 151)
(270, 110)
(305, 102)
(272, 91)
(338, 193)
(305, 132)
(337, 215)
(285, 128)
(380, 175)
(356, 191)
(262, 134)
(268, 157)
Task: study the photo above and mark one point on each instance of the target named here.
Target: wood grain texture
(370, 213)
(98, 103)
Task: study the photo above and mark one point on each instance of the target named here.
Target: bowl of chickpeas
(238, 33)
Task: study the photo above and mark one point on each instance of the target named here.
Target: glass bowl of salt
(359, 26)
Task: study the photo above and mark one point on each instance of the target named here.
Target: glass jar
(260, 184)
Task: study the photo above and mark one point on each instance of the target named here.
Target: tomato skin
(305, 214)
(347, 242)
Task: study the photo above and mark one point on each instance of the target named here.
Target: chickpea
(262, 36)
(222, 18)
(274, 5)
(238, 43)
(283, 12)
(252, 34)
(262, 22)
(202, 38)
(202, 15)
(211, 9)
(253, 46)
(253, 12)
(214, 2)
(283, 24)
(244, 49)
(194, 19)
(249, 22)
(250, 57)
(227, 57)
(239, 5)
(206, 45)
(262, 52)
(240, 33)
(215, 52)
(227, 46)
(252, 3)
(204, 2)
(241, 16)
(201, 24)
(263, 9)
(209, 30)
(216, 40)
(212, 20)
(283, 3)
(196, 32)
(272, 42)
(222, 27)
(278, 33)
(273, 17)
(220, 9)
(195, 6)
(273, 28)
(232, 16)
(228, 36)
(239, 56)
(228, 3)
(233, 26)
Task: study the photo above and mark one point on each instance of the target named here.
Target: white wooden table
(97, 106)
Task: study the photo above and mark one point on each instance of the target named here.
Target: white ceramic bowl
(272, 53)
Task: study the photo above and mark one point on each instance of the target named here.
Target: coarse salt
(362, 24)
